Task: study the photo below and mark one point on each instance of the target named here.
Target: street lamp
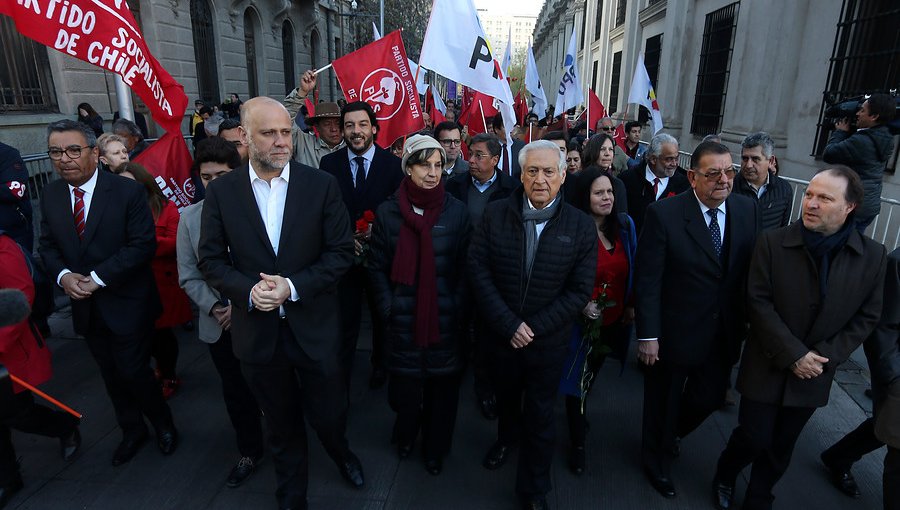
(355, 5)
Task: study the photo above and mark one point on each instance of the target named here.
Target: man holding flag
(310, 148)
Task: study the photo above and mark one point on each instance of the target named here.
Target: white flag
(569, 94)
(643, 94)
(507, 55)
(455, 47)
(533, 85)
(375, 32)
(438, 102)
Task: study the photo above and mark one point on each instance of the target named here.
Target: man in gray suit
(215, 157)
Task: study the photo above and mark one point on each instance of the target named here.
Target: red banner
(379, 74)
(480, 112)
(170, 162)
(103, 33)
(436, 116)
(597, 110)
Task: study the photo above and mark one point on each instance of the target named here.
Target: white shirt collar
(649, 175)
(89, 185)
(531, 206)
(285, 173)
(704, 208)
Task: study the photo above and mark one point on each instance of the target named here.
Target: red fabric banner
(379, 74)
(472, 116)
(436, 116)
(170, 162)
(521, 107)
(597, 110)
(619, 136)
(103, 33)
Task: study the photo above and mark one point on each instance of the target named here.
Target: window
(612, 106)
(314, 49)
(621, 5)
(250, 51)
(594, 75)
(865, 58)
(25, 80)
(597, 23)
(205, 51)
(287, 48)
(715, 65)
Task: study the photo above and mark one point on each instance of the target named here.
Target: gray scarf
(532, 217)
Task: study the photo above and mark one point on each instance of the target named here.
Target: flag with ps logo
(569, 94)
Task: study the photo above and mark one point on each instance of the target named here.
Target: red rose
(671, 194)
(362, 225)
(369, 216)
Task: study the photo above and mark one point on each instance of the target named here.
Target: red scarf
(415, 255)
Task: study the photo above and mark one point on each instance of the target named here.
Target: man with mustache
(690, 267)
(758, 181)
(366, 175)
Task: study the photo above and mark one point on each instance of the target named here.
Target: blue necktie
(360, 173)
(714, 231)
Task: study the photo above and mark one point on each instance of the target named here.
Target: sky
(532, 7)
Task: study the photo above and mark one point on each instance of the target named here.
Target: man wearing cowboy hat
(309, 148)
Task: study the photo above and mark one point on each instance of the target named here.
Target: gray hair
(491, 143)
(64, 125)
(715, 137)
(125, 127)
(106, 139)
(542, 145)
(760, 139)
(657, 142)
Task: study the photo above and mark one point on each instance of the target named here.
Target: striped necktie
(79, 211)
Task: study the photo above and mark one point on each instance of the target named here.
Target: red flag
(106, 35)
(619, 136)
(436, 116)
(379, 74)
(170, 162)
(311, 111)
(472, 116)
(521, 107)
(597, 110)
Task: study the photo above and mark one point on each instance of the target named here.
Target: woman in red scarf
(417, 260)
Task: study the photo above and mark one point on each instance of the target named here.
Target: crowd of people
(531, 263)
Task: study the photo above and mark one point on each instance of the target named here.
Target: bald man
(275, 239)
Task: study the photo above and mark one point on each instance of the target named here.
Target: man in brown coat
(814, 294)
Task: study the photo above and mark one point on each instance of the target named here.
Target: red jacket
(22, 350)
(176, 307)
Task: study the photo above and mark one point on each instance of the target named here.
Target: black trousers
(677, 400)
(526, 381)
(353, 286)
(891, 479)
(26, 416)
(286, 388)
(243, 411)
(165, 351)
(853, 446)
(428, 405)
(124, 362)
(765, 436)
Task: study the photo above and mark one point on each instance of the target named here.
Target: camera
(847, 110)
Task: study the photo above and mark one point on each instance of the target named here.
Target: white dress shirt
(663, 182)
(720, 217)
(88, 189)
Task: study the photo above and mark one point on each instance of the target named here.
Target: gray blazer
(189, 276)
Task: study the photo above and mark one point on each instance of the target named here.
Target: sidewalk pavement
(194, 476)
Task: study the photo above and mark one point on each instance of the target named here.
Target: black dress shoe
(434, 466)
(496, 456)
(352, 471)
(577, 460)
(488, 406)
(69, 445)
(662, 484)
(722, 494)
(535, 504)
(127, 449)
(7, 493)
(842, 479)
(167, 438)
(378, 378)
(240, 473)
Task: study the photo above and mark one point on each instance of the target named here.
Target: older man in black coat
(532, 263)
(814, 294)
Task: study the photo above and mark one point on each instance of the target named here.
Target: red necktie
(655, 188)
(505, 163)
(79, 211)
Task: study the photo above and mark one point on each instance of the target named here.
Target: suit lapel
(98, 205)
(291, 205)
(697, 228)
(252, 209)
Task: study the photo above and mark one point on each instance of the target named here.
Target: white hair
(542, 145)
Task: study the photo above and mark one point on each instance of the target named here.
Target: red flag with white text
(619, 136)
(170, 162)
(379, 74)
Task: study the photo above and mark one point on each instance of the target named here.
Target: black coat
(382, 180)
(640, 191)
(561, 279)
(774, 205)
(683, 295)
(788, 318)
(883, 346)
(867, 152)
(450, 238)
(15, 204)
(458, 185)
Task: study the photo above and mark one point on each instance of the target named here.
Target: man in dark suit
(654, 179)
(448, 134)
(815, 292)
(690, 266)
(509, 154)
(97, 240)
(366, 176)
(274, 241)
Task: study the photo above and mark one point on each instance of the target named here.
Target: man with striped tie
(97, 240)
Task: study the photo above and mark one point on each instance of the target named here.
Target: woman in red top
(24, 354)
(176, 307)
(617, 242)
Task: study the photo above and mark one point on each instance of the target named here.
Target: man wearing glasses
(449, 136)
(97, 240)
(690, 269)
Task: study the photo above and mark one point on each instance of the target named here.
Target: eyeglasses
(451, 143)
(480, 155)
(73, 151)
(715, 175)
(608, 128)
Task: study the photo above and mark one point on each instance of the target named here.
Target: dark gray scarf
(532, 217)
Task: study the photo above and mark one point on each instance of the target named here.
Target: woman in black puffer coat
(417, 263)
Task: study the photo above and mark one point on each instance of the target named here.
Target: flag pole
(323, 69)
(483, 121)
(46, 397)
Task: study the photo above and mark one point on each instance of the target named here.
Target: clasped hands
(270, 292)
(78, 286)
(809, 366)
(522, 337)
